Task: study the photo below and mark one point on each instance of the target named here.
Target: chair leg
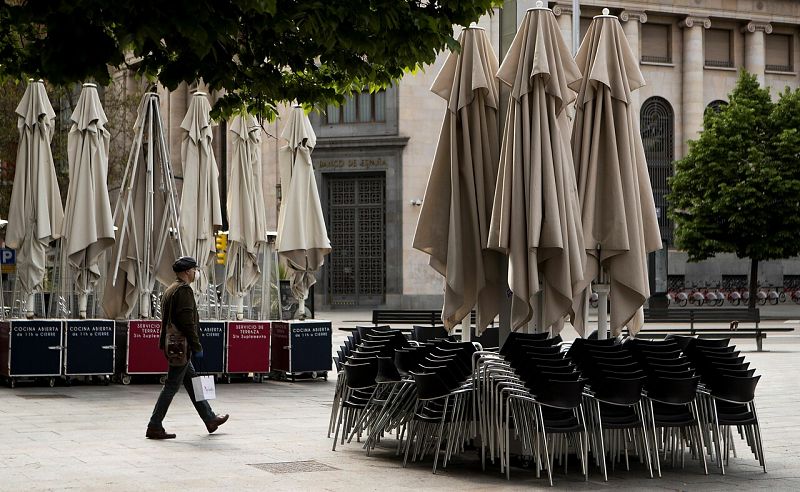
(644, 438)
(439, 437)
(655, 438)
(717, 437)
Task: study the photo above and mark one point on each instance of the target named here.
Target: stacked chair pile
(546, 401)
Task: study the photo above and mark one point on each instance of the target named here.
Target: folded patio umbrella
(200, 212)
(302, 235)
(536, 216)
(453, 225)
(247, 223)
(88, 224)
(146, 219)
(35, 215)
(617, 208)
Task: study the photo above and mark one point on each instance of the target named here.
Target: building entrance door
(357, 226)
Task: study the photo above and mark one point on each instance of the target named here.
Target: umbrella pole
(602, 310)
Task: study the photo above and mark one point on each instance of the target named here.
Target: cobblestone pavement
(88, 437)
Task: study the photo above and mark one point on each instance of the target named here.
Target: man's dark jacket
(178, 305)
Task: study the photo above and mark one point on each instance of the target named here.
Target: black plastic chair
(673, 405)
(733, 404)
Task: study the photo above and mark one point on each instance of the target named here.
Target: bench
(733, 316)
(424, 317)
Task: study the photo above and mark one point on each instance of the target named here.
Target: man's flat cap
(184, 263)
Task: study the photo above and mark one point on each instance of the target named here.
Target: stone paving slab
(95, 441)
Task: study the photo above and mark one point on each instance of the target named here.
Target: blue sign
(8, 256)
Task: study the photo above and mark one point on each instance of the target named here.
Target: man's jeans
(176, 375)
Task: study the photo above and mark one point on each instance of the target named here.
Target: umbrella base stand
(30, 306)
(602, 310)
(144, 305)
(83, 301)
(239, 307)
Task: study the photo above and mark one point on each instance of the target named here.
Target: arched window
(658, 136)
(716, 105)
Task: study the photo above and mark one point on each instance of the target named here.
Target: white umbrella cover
(89, 224)
(247, 223)
(536, 215)
(453, 224)
(35, 216)
(200, 209)
(302, 235)
(618, 214)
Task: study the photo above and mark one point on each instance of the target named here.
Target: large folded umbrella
(453, 225)
(89, 224)
(200, 209)
(302, 236)
(536, 216)
(35, 215)
(146, 218)
(247, 223)
(617, 208)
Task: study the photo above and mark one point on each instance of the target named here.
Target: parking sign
(8, 260)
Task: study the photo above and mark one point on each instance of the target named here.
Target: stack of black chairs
(421, 390)
(655, 399)
(727, 391)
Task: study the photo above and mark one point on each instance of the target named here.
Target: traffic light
(222, 246)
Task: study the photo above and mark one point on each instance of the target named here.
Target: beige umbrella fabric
(453, 225)
(302, 236)
(145, 218)
(88, 224)
(35, 216)
(200, 208)
(247, 223)
(536, 216)
(617, 206)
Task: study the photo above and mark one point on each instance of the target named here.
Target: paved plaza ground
(88, 437)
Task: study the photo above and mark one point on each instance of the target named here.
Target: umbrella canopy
(200, 209)
(536, 215)
(617, 208)
(145, 217)
(35, 216)
(89, 224)
(453, 225)
(247, 223)
(302, 236)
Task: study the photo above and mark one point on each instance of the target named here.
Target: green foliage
(262, 52)
(738, 188)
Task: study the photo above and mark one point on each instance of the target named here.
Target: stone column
(563, 14)
(692, 80)
(755, 49)
(631, 20)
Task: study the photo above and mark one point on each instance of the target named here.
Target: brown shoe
(153, 433)
(214, 423)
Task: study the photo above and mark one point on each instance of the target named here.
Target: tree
(262, 52)
(738, 188)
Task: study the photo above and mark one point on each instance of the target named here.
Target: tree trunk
(753, 288)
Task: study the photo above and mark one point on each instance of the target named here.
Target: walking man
(180, 338)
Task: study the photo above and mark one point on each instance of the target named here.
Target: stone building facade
(373, 155)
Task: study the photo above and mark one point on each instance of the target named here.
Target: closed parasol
(536, 216)
(453, 225)
(617, 208)
(35, 215)
(302, 235)
(89, 224)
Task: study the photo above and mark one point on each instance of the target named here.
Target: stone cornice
(691, 20)
(562, 9)
(633, 15)
(753, 26)
(361, 142)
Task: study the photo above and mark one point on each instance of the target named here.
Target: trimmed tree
(262, 52)
(738, 188)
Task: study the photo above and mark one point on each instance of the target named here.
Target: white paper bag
(204, 388)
